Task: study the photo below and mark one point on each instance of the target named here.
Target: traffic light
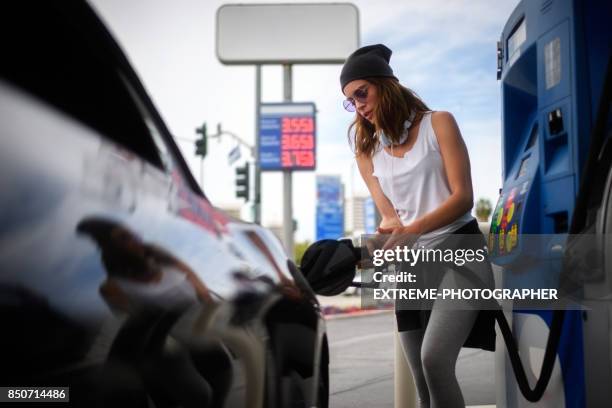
(242, 182)
(201, 143)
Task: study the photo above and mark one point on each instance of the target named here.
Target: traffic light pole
(202, 173)
(202, 149)
(287, 180)
(242, 182)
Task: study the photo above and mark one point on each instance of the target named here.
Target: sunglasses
(360, 95)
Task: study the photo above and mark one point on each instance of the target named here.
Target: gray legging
(432, 355)
(432, 350)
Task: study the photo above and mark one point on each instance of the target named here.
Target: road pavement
(362, 356)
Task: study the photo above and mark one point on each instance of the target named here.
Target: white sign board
(286, 33)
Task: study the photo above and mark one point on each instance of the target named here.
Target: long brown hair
(395, 104)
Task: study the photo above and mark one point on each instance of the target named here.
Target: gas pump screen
(516, 39)
(287, 137)
(523, 167)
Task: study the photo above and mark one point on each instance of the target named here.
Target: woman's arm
(384, 206)
(457, 167)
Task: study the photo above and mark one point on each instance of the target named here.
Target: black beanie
(368, 61)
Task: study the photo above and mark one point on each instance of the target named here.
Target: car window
(49, 50)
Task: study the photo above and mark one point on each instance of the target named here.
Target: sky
(445, 50)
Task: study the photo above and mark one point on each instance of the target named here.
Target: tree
(483, 209)
(299, 249)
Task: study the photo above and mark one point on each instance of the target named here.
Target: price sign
(287, 136)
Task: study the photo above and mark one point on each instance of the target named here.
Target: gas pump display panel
(516, 39)
(287, 136)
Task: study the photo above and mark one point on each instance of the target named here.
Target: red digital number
(286, 160)
(306, 141)
(306, 125)
(297, 142)
(286, 125)
(290, 142)
(285, 142)
(304, 158)
(308, 159)
(297, 125)
(299, 158)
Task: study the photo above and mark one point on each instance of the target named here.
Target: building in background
(361, 216)
(354, 219)
(330, 208)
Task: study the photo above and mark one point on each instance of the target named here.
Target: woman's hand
(388, 223)
(401, 235)
(376, 241)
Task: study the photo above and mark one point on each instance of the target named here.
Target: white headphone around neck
(386, 142)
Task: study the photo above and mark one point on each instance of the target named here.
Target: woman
(416, 167)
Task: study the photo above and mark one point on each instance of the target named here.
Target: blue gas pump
(553, 62)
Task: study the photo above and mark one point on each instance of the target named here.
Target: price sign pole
(287, 178)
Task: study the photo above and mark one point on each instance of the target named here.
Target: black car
(118, 277)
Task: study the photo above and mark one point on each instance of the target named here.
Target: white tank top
(416, 184)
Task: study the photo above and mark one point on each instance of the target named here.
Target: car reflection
(141, 275)
(153, 289)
